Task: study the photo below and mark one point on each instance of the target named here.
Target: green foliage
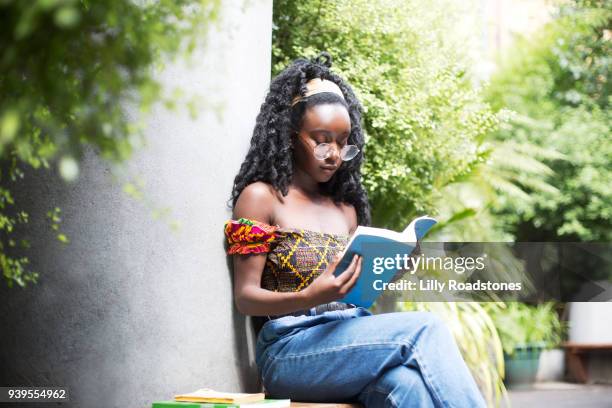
(522, 325)
(424, 122)
(558, 84)
(69, 69)
(511, 173)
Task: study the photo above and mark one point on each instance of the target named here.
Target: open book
(373, 244)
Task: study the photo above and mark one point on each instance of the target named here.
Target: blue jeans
(405, 359)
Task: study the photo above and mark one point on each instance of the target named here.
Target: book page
(408, 235)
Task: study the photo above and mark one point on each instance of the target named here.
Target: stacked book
(208, 398)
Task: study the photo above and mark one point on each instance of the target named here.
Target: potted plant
(525, 331)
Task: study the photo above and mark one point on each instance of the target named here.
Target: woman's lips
(329, 168)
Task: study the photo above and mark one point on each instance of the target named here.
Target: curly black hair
(270, 156)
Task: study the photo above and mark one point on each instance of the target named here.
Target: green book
(267, 403)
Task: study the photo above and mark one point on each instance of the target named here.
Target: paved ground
(562, 395)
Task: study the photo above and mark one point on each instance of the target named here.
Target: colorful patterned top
(295, 256)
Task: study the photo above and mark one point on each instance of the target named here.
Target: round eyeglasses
(323, 150)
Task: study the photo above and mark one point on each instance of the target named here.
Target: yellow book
(210, 395)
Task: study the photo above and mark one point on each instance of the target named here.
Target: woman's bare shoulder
(256, 201)
(259, 190)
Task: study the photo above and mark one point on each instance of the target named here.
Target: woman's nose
(334, 152)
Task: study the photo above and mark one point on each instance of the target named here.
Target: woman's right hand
(328, 287)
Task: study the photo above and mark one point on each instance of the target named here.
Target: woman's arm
(253, 300)
(257, 202)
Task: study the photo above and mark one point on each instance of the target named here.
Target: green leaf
(67, 17)
(9, 126)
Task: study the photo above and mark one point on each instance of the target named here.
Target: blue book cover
(372, 243)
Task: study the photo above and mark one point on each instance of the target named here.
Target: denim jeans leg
(398, 387)
(337, 355)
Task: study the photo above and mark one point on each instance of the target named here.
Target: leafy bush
(69, 68)
(522, 325)
(424, 121)
(557, 82)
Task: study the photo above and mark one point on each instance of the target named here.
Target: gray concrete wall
(130, 312)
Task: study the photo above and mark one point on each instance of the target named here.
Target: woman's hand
(327, 287)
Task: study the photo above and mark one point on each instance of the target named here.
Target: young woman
(296, 200)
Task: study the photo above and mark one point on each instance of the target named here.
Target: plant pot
(522, 365)
(551, 366)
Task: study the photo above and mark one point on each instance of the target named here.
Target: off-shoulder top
(295, 256)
